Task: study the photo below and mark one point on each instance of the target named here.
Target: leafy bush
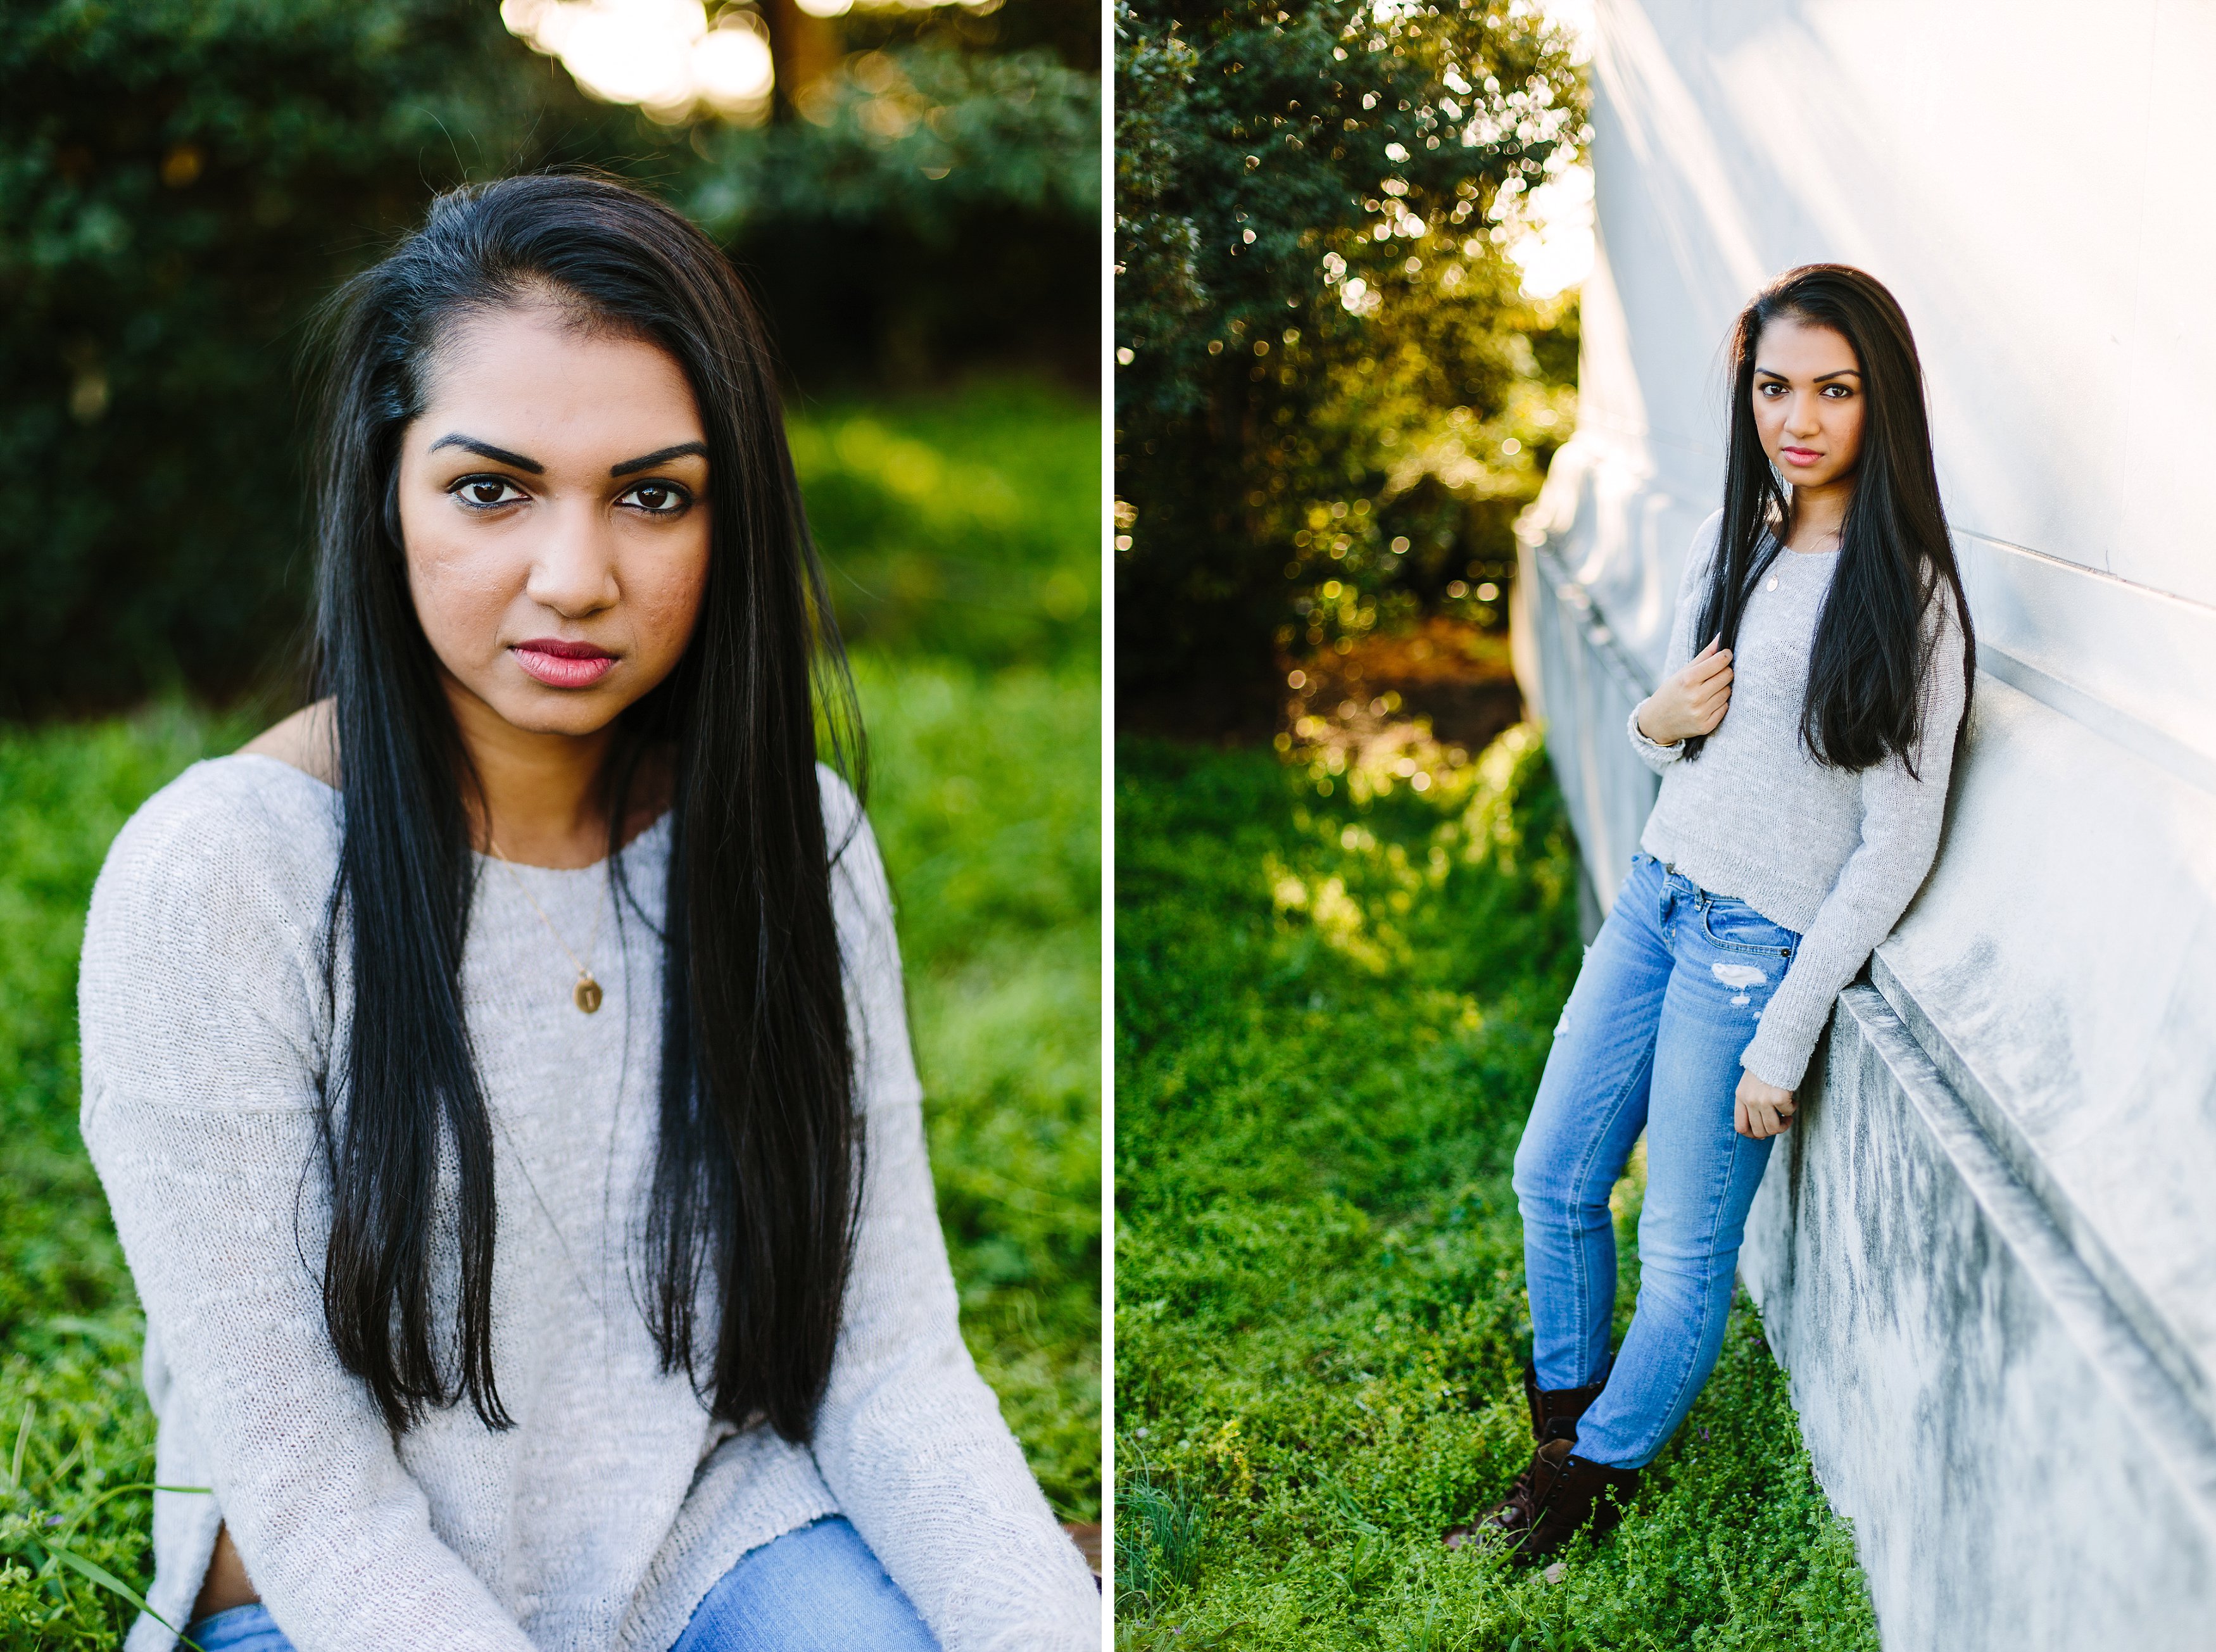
(1333, 395)
(1331, 1011)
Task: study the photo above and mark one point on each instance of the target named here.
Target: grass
(985, 796)
(1334, 1001)
(965, 526)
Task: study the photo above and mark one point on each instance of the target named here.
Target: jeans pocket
(1735, 927)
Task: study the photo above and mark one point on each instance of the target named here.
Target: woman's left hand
(1761, 1110)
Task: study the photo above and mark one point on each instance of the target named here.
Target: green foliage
(1331, 1010)
(918, 138)
(965, 526)
(1336, 395)
(986, 799)
(932, 204)
(69, 1400)
(985, 794)
(179, 182)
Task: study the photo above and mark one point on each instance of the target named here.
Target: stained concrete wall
(1989, 1257)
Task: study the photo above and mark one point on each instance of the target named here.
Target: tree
(1331, 392)
(927, 204)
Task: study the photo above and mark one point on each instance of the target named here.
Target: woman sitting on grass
(1788, 837)
(499, 1071)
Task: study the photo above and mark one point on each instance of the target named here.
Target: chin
(555, 711)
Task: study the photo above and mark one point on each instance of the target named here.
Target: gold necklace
(586, 994)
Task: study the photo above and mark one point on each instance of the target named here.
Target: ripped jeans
(1651, 1038)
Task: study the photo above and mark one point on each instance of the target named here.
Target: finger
(1739, 1117)
(1710, 649)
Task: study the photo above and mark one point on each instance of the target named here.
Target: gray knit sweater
(1834, 855)
(601, 1518)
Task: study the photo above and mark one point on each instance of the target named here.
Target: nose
(1800, 416)
(574, 571)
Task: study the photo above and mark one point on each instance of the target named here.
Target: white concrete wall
(2034, 183)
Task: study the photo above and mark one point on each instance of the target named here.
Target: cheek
(1848, 427)
(460, 591)
(664, 592)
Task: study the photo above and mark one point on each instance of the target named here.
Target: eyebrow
(659, 456)
(1835, 372)
(486, 449)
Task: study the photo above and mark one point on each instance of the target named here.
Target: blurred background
(912, 191)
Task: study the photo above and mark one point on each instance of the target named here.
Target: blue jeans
(1651, 1038)
(818, 1589)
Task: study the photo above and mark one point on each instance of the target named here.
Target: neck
(538, 796)
(1819, 514)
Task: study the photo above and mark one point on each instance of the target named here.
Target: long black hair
(1873, 641)
(752, 1209)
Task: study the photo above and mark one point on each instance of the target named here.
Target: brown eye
(658, 498)
(486, 492)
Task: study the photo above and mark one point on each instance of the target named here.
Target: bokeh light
(659, 54)
(1553, 244)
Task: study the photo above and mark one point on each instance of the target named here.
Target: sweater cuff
(1654, 754)
(1781, 1045)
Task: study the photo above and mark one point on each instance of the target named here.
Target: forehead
(527, 374)
(1793, 349)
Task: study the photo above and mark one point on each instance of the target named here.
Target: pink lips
(560, 665)
(1799, 455)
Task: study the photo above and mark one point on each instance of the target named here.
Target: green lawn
(1333, 1006)
(984, 792)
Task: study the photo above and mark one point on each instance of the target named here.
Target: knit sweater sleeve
(200, 998)
(1699, 557)
(1902, 815)
(909, 1438)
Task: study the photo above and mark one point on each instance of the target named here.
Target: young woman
(1811, 703)
(499, 1071)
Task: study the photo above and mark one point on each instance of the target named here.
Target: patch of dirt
(1446, 673)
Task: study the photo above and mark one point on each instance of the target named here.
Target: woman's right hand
(1692, 702)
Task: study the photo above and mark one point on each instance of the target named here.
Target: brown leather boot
(1556, 1411)
(1555, 1414)
(1571, 1492)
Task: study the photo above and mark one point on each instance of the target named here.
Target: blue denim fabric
(1651, 1038)
(818, 1589)
(242, 1629)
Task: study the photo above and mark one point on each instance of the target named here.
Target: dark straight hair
(750, 1216)
(1874, 643)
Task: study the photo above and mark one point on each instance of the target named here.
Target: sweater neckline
(1786, 550)
(640, 840)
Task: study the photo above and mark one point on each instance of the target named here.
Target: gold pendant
(586, 994)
